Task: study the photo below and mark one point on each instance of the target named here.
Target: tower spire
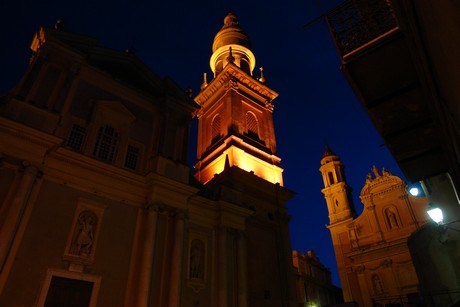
(328, 151)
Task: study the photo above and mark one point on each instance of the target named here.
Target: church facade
(98, 206)
(373, 259)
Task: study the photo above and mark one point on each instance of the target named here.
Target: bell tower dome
(232, 44)
(235, 121)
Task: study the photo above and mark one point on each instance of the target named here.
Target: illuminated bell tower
(336, 191)
(235, 122)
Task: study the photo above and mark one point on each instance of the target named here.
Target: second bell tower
(336, 190)
(235, 122)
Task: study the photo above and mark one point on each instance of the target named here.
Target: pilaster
(140, 273)
(16, 209)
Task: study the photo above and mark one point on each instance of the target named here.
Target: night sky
(316, 106)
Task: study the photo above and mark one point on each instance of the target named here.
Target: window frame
(83, 139)
(140, 154)
(100, 143)
(216, 128)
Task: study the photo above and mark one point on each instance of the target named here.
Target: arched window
(252, 124)
(331, 177)
(244, 65)
(215, 127)
(219, 66)
(106, 143)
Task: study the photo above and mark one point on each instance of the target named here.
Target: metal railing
(357, 22)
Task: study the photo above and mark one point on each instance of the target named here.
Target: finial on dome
(328, 152)
(230, 58)
(230, 20)
(262, 77)
(205, 81)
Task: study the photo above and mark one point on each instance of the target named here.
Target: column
(148, 247)
(177, 260)
(16, 210)
(222, 291)
(286, 267)
(141, 266)
(242, 270)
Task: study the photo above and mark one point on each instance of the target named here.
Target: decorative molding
(386, 263)
(233, 83)
(359, 269)
(232, 73)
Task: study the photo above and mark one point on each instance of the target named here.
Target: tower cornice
(231, 74)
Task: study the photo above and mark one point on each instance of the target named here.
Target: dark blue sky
(174, 38)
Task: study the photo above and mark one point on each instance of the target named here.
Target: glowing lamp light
(414, 191)
(435, 214)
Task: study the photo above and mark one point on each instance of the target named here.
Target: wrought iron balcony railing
(357, 22)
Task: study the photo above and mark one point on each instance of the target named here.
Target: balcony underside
(387, 83)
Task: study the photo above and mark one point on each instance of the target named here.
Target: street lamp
(415, 189)
(435, 213)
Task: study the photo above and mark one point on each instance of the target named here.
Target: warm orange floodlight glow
(238, 157)
(238, 51)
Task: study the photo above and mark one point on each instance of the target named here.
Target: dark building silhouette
(97, 203)
(314, 282)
